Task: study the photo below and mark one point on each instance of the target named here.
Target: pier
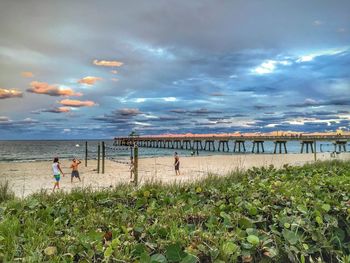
(222, 143)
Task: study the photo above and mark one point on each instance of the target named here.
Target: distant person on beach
(177, 164)
(132, 169)
(75, 172)
(56, 173)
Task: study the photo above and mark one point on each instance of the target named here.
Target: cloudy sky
(97, 69)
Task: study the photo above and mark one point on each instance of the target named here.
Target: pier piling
(258, 144)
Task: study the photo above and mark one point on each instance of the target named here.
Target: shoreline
(26, 178)
(204, 154)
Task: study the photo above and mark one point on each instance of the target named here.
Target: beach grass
(5, 192)
(293, 214)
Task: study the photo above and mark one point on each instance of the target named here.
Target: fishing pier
(236, 144)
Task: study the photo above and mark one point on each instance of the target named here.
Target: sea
(43, 150)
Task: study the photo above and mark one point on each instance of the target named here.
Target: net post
(315, 157)
(86, 153)
(136, 161)
(103, 157)
(98, 157)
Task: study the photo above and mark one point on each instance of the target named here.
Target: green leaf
(49, 251)
(108, 252)
(139, 250)
(229, 248)
(319, 220)
(245, 223)
(115, 242)
(198, 190)
(189, 259)
(174, 253)
(145, 258)
(290, 236)
(339, 234)
(158, 258)
(326, 207)
(254, 240)
(302, 208)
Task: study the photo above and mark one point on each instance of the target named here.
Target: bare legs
(57, 185)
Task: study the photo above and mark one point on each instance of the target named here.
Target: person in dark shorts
(177, 164)
(75, 172)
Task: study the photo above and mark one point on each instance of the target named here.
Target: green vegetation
(295, 214)
(5, 192)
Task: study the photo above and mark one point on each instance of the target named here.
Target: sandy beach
(29, 177)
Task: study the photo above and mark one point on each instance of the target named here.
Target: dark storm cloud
(53, 110)
(123, 116)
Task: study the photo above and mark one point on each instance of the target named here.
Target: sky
(97, 69)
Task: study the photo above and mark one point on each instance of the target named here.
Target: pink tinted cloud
(10, 93)
(114, 79)
(89, 80)
(51, 90)
(107, 63)
(114, 71)
(77, 103)
(27, 74)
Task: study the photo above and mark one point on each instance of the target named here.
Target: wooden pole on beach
(86, 153)
(98, 157)
(315, 157)
(103, 157)
(136, 162)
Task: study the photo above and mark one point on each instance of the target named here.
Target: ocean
(21, 151)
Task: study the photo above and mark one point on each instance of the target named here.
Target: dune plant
(293, 214)
(5, 192)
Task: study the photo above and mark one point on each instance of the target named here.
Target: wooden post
(315, 157)
(103, 157)
(86, 153)
(98, 157)
(136, 157)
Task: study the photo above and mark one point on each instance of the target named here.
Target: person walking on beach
(177, 164)
(75, 172)
(56, 173)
